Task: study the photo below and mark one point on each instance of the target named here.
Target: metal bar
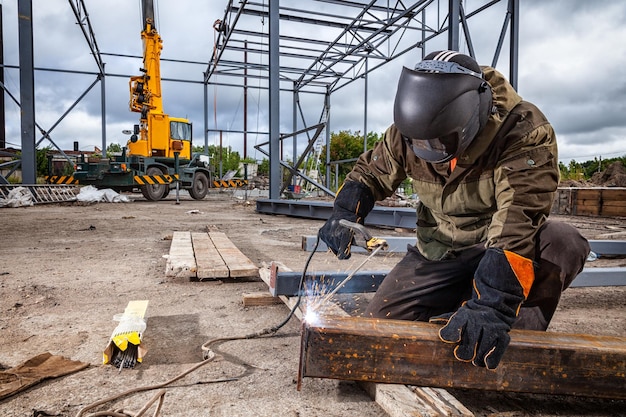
(27, 90)
(288, 283)
(82, 18)
(408, 352)
(274, 99)
(601, 277)
(454, 7)
(398, 244)
(513, 11)
(379, 216)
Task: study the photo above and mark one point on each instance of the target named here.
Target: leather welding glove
(353, 202)
(480, 327)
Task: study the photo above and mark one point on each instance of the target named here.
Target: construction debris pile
(613, 176)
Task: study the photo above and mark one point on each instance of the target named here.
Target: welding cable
(301, 290)
(208, 354)
(273, 329)
(148, 388)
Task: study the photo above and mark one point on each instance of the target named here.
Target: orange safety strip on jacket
(523, 270)
(452, 164)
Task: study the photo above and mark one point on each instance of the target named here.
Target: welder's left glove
(353, 202)
(480, 327)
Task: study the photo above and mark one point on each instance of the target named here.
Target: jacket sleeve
(525, 180)
(382, 168)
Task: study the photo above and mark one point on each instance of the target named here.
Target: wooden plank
(404, 352)
(181, 262)
(586, 210)
(618, 194)
(265, 273)
(261, 298)
(442, 401)
(614, 203)
(238, 264)
(613, 211)
(209, 262)
(588, 194)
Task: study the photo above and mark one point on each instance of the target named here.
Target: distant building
(59, 164)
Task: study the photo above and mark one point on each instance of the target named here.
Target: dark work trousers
(417, 289)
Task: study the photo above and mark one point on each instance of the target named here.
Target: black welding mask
(442, 105)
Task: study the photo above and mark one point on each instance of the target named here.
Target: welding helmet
(441, 105)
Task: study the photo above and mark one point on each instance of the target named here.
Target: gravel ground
(67, 269)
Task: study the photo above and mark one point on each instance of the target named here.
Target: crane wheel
(155, 192)
(200, 186)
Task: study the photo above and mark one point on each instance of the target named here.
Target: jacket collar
(505, 98)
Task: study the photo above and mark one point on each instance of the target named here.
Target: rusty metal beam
(404, 352)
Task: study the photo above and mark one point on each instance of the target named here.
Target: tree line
(345, 146)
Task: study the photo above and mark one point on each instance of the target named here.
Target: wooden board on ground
(210, 264)
(238, 264)
(207, 256)
(405, 352)
(261, 298)
(181, 261)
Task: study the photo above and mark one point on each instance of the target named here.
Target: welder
(483, 163)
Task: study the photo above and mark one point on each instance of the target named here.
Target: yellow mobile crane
(159, 151)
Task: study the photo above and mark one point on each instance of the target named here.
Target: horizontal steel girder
(288, 283)
(380, 216)
(398, 244)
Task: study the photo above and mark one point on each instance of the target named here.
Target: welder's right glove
(353, 202)
(480, 327)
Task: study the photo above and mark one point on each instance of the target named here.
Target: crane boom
(159, 153)
(159, 134)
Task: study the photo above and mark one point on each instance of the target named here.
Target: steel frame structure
(293, 55)
(359, 37)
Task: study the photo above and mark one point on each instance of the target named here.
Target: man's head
(442, 105)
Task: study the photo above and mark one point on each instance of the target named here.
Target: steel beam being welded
(406, 352)
(288, 282)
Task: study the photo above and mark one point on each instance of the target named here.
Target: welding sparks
(319, 293)
(311, 317)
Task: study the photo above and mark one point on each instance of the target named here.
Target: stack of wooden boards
(596, 201)
(211, 255)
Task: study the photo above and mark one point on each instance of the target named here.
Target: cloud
(570, 64)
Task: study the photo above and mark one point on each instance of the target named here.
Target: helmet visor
(435, 150)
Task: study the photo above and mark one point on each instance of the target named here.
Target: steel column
(274, 99)
(27, 91)
(513, 10)
(103, 110)
(454, 13)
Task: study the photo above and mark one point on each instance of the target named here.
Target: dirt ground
(67, 269)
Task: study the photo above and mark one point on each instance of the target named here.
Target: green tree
(264, 167)
(113, 148)
(228, 158)
(346, 145)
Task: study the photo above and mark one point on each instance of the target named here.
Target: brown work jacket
(500, 191)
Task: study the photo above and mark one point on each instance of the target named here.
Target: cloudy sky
(572, 58)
